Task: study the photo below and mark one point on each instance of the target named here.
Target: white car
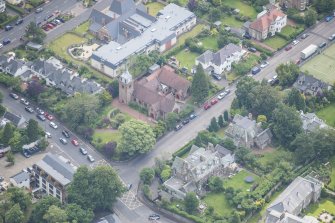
(48, 134)
(221, 95)
(1, 45)
(264, 64)
(295, 42)
(90, 158)
(53, 125)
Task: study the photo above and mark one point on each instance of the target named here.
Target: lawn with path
(328, 114)
(245, 9)
(322, 66)
(186, 58)
(275, 156)
(276, 42)
(210, 43)
(154, 8)
(219, 202)
(103, 136)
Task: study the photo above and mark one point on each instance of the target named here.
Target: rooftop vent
(119, 48)
(153, 30)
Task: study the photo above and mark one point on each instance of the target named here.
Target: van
(255, 70)
(321, 45)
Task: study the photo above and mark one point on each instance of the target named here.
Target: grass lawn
(186, 58)
(210, 43)
(237, 181)
(154, 8)
(288, 30)
(325, 204)
(103, 137)
(322, 66)
(332, 175)
(83, 28)
(275, 156)
(231, 76)
(219, 202)
(327, 114)
(231, 21)
(275, 42)
(245, 9)
(195, 31)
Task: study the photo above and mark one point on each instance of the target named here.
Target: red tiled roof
(263, 22)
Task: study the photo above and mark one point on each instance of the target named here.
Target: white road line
(72, 160)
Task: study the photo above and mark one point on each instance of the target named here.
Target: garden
(154, 8)
(327, 114)
(325, 205)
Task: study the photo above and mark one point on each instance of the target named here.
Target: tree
(7, 133)
(147, 175)
(14, 215)
(226, 115)
(105, 98)
(35, 33)
(310, 17)
(262, 118)
(228, 144)
(42, 207)
(113, 88)
(160, 128)
(136, 137)
(287, 74)
(192, 5)
(171, 120)
(215, 184)
(214, 14)
(286, 124)
(220, 121)
(295, 99)
(43, 144)
(166, 173)
(243, 88)
(191, 202)
(213, 127)
(2, 110)
(20, 197)
(303, 147)
(10, 158)
(55, 215)
(34, 89)
(109, 148)
(76, 214)
(200, 85)
(32, 130)
(95, 189)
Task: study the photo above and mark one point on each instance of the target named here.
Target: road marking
(63, 150)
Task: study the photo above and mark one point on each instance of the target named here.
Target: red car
(288, 48)
(48, 116)
(207, 106)
(214, 101)
(75, 142)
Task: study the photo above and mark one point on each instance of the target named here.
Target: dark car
(247, 36)
(252, 49)
(207, 106)
(6, 41)
(216, 77)
(186, 121)
(29, 109)
(66, 134)
(39, 111)
(255, 70)
(41, 117)
(8, 27)
(178, 127)
(321, 45)
(26, 154)
(19, 21)
(14, 96)
(288, 48)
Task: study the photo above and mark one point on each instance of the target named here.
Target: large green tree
(287, 74)
(215, 184)
(76, 214)
(310, 17)
(14, 215)
(95, 189)
(243, 88)
(147, 175)
(303, 147)
(32, 130)
(7, 133)
(20, 197)
(200, 85)
(171, 120)
(296, 99)
(136, 137)
(55, 215)
(286, 124)
(35, 33)
(191, 202)
(41, 208)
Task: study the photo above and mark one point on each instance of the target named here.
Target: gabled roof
(13, 66)
(168, 77)
(20, 177)
(206, 57)
(227, 51)
(263, 22)
(120, 7)
(15, 119)
(308, 82)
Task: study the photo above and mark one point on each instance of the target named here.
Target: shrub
(183, 150)
(138, 107)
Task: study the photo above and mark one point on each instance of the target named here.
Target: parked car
(75, 142)
(322, 45)
(154, 217)
(178, 127)
(48, 116)
(6, 41)
(207, 106)
(216, 77)
(40, 117)
(48, 134)
(252, 49)
(247, 36)
(227, 91)
(26, 154)
(295, 42)
(214, 101)
(1, 45)
(14, 96)
(264, 64)
(185, 121)
(63, 141)
(289, 47)
(193, 116)
(29, 109)
(24, 101)
(90, 158)
(329, 18)
(255, 70)
(66, 134)
(38, 10)
(332, 37)
(53, 125)
(221, 95)
(83, 151)
(304, 36)
(19, 21)
(39, 111)
(8, 27)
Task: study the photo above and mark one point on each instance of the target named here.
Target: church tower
(126, 87)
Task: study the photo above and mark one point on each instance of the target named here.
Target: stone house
(159, 92)
(297, 4)
(311, 122)
(309, 85)
(245, 132)
(11, 66)
(191, 173)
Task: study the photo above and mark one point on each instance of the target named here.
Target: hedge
(185, 214)
(13, 18)
(16, 9)
(183, 150)
(263, 50)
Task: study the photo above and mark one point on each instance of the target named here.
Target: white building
(21, 180)
(52, 176)
(14, 2)
(2, 6)
(222, 60)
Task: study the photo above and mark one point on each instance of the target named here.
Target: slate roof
(21, 177)
(170, 78)
(307, 82)
(12, 66)
(220, 56)
(15, 119)
(263, 23)
(57, 168)
(310, 122)
(121, 7)
(206, 57)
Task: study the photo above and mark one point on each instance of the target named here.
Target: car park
(53, 125)
(14, 96)
(289, 47)
(24, 101)
(178, 127)
(193, 116)
(207, 106)
(322, 45)
(75, 142)
(90, 158)
(252, 49)
(8, 27)
(264, 64)
(19, 21)
(40, 117)
(295, 42)
(29, 109)
(83, 151)
(154, 217)
(185, 121)
(66, 134)
(63, 141)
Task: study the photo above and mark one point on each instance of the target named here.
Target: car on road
(1, 45)
(48, 134)
(264, 64)
(39, 111)
(329, 18)
(186, 121)
(66, 134)
(289, 47)
(192, 116)
(295, 42)
(8, 27)
(255, 70)
(214, 101)
(83, 151)
(19, 21)
(304, 36)
(227, 91)
(24, 101)
(75, 142)
(48, 116)
(40, 117)
(90, 158)
(221, 95)
(178, 127)
(207, 106)
(216, 77)
(332, 37)
(38, 10)
(14, 96)
(154, 217)
(322, 45)
(29, 109)
(252, 49)
(53, 125)
(63, 141)
(6, 41)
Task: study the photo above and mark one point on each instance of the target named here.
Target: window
(43, 185)
(51, 187)
(51, 191)
(57, 196)
(57, 191)
(43, 180)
